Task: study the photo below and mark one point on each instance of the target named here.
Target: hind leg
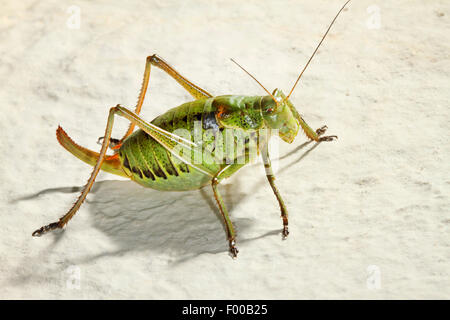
(101, 157)
(168, 140)
(231, 234)
(195, 91)
(271, 178)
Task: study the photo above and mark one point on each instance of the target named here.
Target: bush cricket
(158, 156)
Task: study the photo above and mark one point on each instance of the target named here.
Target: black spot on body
(126, 163)
(149, 174)
(170, 168)
(210, 122)
(197, 117)
(183, 167)
(159, 172)
(137, 171)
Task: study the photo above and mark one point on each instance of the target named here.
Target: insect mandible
(156, 156)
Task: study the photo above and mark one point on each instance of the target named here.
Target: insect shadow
(186, 223)
(183, 224)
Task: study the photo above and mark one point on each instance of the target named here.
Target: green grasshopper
(155, 156)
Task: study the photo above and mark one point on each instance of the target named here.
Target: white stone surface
(369, 213)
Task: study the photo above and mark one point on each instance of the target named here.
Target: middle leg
(231, 234)
(271, 178)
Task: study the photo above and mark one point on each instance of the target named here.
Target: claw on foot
(328, 138)
(285, 232)
(321, 130)
(52, 226)
(233, 250)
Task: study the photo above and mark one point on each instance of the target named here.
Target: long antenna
(256, 80)
(323, 38)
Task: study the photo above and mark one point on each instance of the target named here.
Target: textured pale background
(379, 196)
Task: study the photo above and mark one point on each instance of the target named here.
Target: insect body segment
(189, 146)
(239, 112)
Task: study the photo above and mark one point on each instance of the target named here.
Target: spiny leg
(271, 178)
(140, 101)
(157, 61)
(64, 219)
(231, 234)
(195, 91)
